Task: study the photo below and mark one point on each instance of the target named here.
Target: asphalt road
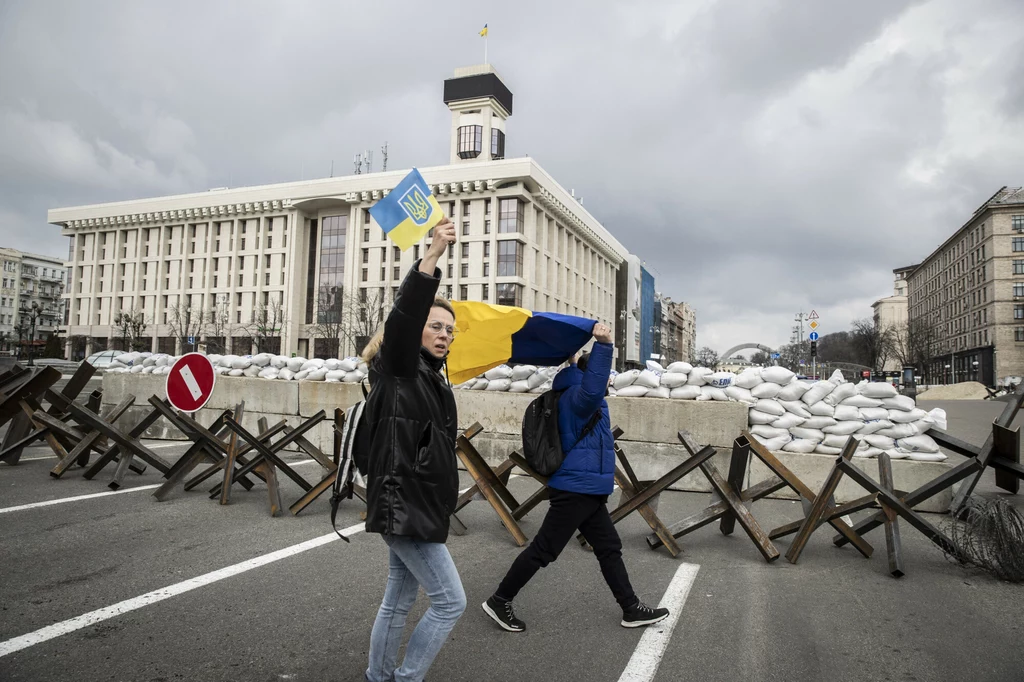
(833, 616)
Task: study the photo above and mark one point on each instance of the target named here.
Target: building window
(451, 250)
(1018, 333)
(366, 234)
(510, 259)
(465, 250)
(332, 268)
(510, 216)
(366, 256)
(487, 227)
(1018, 243)
(470, 140)
(465, 209)
(465, 228)
(497, 144)
(398, 272)
(487, 269)
(510, 294)
(1016, 222)
(463, 293)
(1018, 289)
(383, 273)
(450, 270)
(486, 292)
(416, 252)
(487, 249)
(465, 269)
(1018, 267)
(366, 274)
(397, 252)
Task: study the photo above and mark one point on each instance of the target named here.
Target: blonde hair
(373, 345)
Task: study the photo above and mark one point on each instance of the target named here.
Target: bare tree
(363, 315)
(707, 357)
(218, 328)
(185, 322)
(330, 320)
(870, 344)
(130, 326)
(265, 327)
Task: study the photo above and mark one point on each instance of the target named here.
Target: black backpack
(542, 443)
(354, 457)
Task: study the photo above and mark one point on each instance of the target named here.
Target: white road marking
(643, 665)
(99, 615)
(76, 498)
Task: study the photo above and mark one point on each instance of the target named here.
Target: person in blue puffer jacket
(579, 492)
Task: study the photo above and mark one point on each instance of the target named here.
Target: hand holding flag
(444, 234)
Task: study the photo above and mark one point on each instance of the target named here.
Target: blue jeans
(413, 563)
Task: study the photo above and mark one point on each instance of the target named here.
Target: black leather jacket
(413, 481)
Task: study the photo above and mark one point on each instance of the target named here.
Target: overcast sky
(762, 157)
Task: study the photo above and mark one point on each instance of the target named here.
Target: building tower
(480, 104)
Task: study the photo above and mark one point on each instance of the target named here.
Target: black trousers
(567, 512)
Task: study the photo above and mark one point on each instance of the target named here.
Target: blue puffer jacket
(589, 467)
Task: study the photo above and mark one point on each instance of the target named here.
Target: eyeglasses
(438, 327)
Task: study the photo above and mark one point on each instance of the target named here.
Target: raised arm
(404, 327)
(585, 401)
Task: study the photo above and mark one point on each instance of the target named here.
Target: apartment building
(966, 299)
(31, 305)
(304, 265)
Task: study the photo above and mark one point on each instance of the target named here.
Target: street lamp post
(33, 316)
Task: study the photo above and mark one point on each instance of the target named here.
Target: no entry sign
(190, 382)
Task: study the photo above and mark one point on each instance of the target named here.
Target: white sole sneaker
(642, 623)
(490, 612)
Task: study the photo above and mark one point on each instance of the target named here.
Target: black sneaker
(503, 615)
(641, 614)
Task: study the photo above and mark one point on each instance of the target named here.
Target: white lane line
(76, 498)
(643, 665)
(99, 615)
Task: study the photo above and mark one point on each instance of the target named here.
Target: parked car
(103, 358)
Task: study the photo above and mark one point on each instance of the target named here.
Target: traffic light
(814, 349)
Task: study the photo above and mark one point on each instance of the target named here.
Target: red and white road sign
(190, 382)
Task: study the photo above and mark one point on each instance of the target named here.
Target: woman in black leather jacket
(412, 481)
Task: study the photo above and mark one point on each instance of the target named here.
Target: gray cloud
(762, 158)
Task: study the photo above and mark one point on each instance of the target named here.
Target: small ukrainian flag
(483, 33)
(408, 212)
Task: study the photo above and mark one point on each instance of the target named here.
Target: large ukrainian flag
(408, 212)
(491, 335)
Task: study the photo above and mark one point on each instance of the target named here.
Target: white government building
(277, 254)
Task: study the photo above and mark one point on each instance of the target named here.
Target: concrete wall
(649, 426)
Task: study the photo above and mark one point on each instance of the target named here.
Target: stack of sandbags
(263, 365)
(819, 417)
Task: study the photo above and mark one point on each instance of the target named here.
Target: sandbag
(748, 378)
(546, 386)
(862, 401)
(841, 393)
(788, 421)
(499, 372)
(899, 402)
(740, 395)
(755, 416)
(648, 378)
(774, 444)
(938, 416)
(236, 372)
(335, 375)
(837, 377)
(927, 456)
(866, 453)
(844, 428)
(659, 392)
(801, 445)
(632, 391)
(522, 386)
(896, 453)
(917, 444)
(823, 449)
(286, 374)
(685, 393)
(871, 413)
(821, 409)
(697, 376)
(240, 363)
(817, 392)
(313, 363)
(768, 431)
(654, 366)
(332, 364)
(814, 435)
(499, 384)
(845, 413)
(898, 431)
(535, 380)
(878, 389)
(877, 441)
(714, 393)
(777, 375)
(875, 425)
(149, 362)
(818, 422)
(901, 417)
(679, 367)
(720, 379)
(269, 373)
(796, 407)
(348, 364)
(148, 369)
(523, 372)
(279, 362)
(480, 385)
(261, 360)
(673, 379)
(834, 440)
(252, 371)
(294, 365)
(317, 374)
(624, 379)
(137, 369)
(770, 407)
(356, 377)
(793, 390)
(766, 389)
